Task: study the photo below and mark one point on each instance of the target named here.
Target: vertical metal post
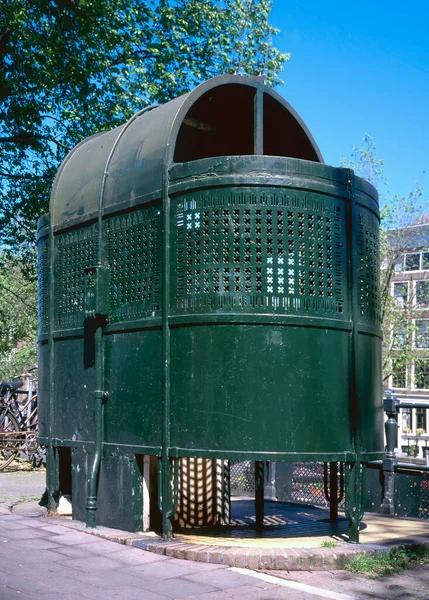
(355, 489)
(258, 123)
(259, 494)
(52, 477)
(354, 500)
(270, 484)
(333, 492)
(391, 427)
(166, 473)
(226, 498)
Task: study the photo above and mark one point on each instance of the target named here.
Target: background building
(409, 376)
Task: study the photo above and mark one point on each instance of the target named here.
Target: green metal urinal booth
(208, 289)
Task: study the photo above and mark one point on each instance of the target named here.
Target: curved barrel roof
(225, 116)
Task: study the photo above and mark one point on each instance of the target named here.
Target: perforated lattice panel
(43, 285)
(369, 267)
(424, 497)
(259, 252)
(308, 483)
(242, 477)
(133, 242)
(75, 251)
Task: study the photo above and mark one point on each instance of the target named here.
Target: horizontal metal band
(246, 455)
(369, 329)
(258, 319)
(219, 319)
(124, 448)
(44, 338)
(130, 448)
(259, 180)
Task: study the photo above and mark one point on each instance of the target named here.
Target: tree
(71, 68)
(18, 320)
(397, 237)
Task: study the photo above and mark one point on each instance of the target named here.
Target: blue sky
(357, 68)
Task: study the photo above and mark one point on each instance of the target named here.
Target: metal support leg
(52, 478)
(391, 427)
(355, 486)
(270, 483)
(333, 492)
(166, 499)
(259, 494)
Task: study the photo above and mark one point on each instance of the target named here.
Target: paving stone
(256, 592)
(11, 517)
(118, 593)
(267, 558)
(224, 579)
(176, 588)
(60, 529)
(131, 556)
(93, 563)
(216, 555)
(228, 557)
(71, 552)
(198, 553)
(8, 593)
(33, 544)
(106, 580)
(197, 566)
(159, 570)
(98, 546)
(72, 538)
(14, 525)
(27, 558)
(177, 551)
(254, 558)
(26, 534)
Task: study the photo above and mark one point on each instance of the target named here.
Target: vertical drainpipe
(99, 315)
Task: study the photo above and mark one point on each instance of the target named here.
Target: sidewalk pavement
(54, 557)
(295, 538)
(40, 559)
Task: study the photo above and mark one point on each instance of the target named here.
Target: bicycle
(18, 423)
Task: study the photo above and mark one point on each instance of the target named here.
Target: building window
(400, 336)
(422, 293)
(400, 292)
(412, 261)
(407, 420)
(421, 373)
(399, 374)
(425, 260)
(421, 418)
(422, 333)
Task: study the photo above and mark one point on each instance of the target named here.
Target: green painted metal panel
(133, 412)
(370, 416)
(259, 388)
(80, 459)
(74, 387)
(43, 389)
(121, 505)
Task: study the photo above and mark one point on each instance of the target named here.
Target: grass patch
(29, 498)
(388, 563)
(328, 544)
